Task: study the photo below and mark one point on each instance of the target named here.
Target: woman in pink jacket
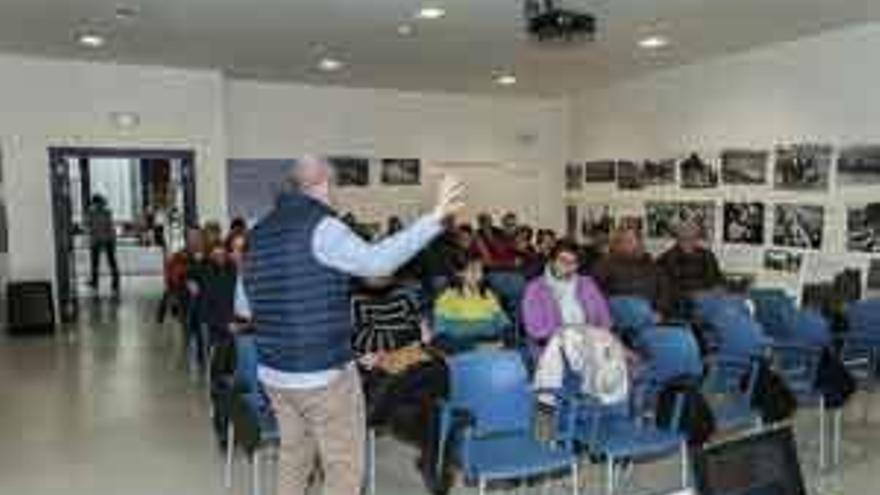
(561, 297)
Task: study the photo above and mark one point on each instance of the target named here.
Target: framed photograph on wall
(863, 228)
(571, 221)
(596, 222)
(401, 171)
(600, 171)
(658, 172)
(698, 173)
(664, 217)
(781, 260)
(802, 167)
(874, 274)
(351, 171)
(800, 226)
(744, 223)
(629, 175)
(859, 166)
(574, 176)
(741, 166)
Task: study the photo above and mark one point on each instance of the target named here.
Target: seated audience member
(218, 283)
(561, 297)
(689, 267)
(175, 271)
(403, 376)
(237, 227)
(467, 311)
(435, 262)
(545, 241)
(394, 225)
(495, 248)
(627, 270)
(525, 249)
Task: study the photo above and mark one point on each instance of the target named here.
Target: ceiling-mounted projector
(546, 21)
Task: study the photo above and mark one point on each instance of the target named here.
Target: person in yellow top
(467, 312)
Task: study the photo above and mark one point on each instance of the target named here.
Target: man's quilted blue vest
(301, 308)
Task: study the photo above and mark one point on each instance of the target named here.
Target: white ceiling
(277, 39)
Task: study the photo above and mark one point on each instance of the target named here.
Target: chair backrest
(776, 312)
(493, 387)
(246, 363)
(737, 332)
(671, 353)
(631, 313)
(864, 316)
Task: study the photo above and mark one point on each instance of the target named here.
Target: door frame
(62, 212)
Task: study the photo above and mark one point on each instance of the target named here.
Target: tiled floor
(109, 408)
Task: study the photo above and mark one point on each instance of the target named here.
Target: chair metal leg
(482, 484)
(255, 474)
(230, 454)
(685, 482)
(837, 435)
(610, 475)
(371, 439)
(823, 465)
(575, 479)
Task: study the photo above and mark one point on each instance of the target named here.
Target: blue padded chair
(630, 315)
(740, 346)
(252, 426)
(627, 433)
(489, 419)
(860, 345)
(799, 339)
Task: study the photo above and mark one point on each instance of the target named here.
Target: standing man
(297, 292)
(102, 236)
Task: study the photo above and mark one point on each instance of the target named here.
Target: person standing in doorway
(102, 236)
(297, 291)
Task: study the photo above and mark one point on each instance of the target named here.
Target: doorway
(151, 194)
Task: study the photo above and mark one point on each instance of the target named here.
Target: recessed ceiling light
(91, 40)
(125, 12)
(505, 79)
(654, 42)
(431, 13)
(328, 64)
(405, 30)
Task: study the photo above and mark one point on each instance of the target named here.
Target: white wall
(818, 89)
(527, 136)
(46, 103)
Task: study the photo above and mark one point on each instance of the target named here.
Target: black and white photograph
(802, 167)
(596, 222)
(874, 274)
(799, 226)
(742, 166)
(663, 218)
(401, 171)
(658, 172)
(698, 173)
(4, 229)
(571, 221)
(629, 175)
(574, 176)
(863, 228)
(859, 166)
(351, 171)
(744, 223)
(600, 171)
(780, 260)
